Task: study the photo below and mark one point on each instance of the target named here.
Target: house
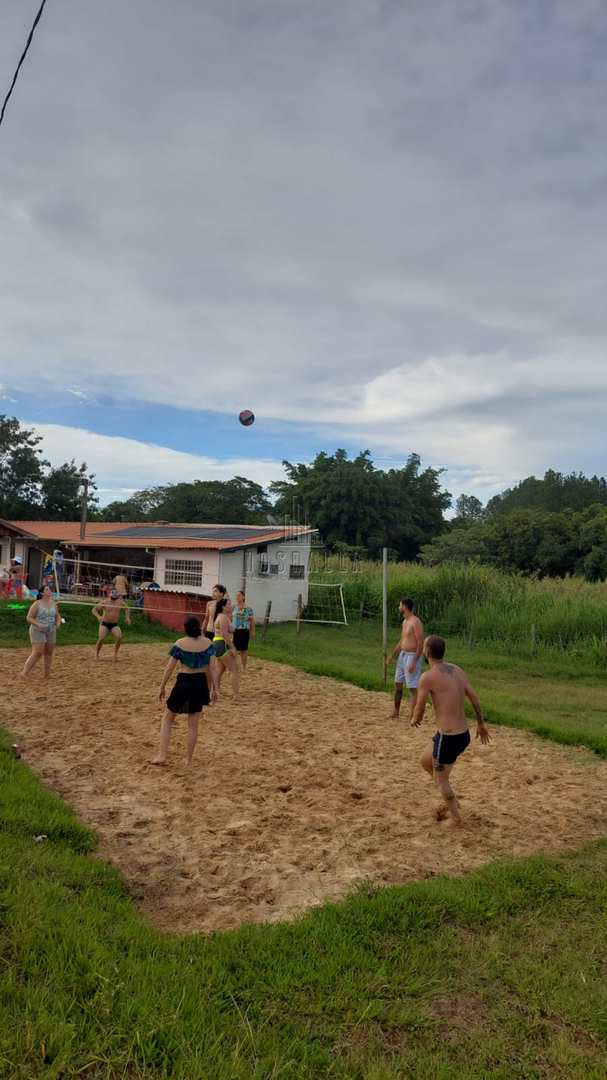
(270, 562)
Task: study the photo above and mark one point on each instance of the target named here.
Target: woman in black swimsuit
(194, 687)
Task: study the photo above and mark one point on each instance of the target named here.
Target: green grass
(500, 973)
(80, 626)
(560, 696)
(485, 606)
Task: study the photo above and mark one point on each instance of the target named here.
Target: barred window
(183, 572)
(296, 570)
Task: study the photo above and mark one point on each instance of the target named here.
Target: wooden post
(299, 612)
(385, 611)
(361, 613)
(84, 506)
(266, 618)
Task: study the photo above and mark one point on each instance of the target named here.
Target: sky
(376, 224)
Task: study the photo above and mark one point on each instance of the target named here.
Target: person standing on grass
(226, 657)
(121, 585)
(448, 686)
(194, 687)
(44, 619)
(17, 577)
(108, 615)
(243, 619)
(410, 656)
(218, 592)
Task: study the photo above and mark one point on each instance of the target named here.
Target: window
(183, 572)
(297, 569)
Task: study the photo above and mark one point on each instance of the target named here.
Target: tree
(458, 546)
(238, 500)
(21, 469)
(351, 502)
(61, 492)
(555, 492)
(468, 511)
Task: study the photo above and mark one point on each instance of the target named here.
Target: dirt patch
(296, 795)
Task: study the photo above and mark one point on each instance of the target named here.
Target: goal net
(325, 604)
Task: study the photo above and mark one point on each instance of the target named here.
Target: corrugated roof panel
(192, 532)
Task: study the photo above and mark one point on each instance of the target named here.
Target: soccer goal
(325, 604)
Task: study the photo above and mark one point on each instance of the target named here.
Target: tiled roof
(112, 534)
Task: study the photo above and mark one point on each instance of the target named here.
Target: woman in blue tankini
(194, 687)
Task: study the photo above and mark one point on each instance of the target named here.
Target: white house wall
(282, 590)
(210, 569)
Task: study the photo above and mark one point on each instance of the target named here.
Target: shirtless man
(410, 656)
(121, 585)
(449, 687)
(108, 616)
(218, 592)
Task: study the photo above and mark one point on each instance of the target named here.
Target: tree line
(554, 525)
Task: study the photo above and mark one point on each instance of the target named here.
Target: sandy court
(293, 798)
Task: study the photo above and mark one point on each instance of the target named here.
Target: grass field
(484, 606)
(500, 973)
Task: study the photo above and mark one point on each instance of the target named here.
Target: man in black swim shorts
(449, 687)
(108, 616)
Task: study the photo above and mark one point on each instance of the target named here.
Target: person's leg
(166, 728)
(232, 665)
(441, 777)
(193, 719)
(35, 657)
(398, 697)
(48, 659)
(426, 761)
(103, 632)
(117, 635)
(412, 699)
(243, 659)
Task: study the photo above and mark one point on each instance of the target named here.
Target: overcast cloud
(382, 220)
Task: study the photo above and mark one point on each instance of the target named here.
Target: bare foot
(394, 715)
(455, 823)
(441, 812)
(158, 761)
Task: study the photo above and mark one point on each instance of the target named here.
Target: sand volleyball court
(296, 795)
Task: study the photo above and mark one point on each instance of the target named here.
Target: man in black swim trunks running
(449, 687)
(108, 617)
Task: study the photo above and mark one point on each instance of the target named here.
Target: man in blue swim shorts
(449, 688)
(410, 656)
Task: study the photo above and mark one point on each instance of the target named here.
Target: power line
(23, 56)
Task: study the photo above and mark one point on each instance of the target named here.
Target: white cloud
(122, 466)
(364, 214)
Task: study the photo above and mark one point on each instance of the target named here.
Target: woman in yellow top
(223, 645)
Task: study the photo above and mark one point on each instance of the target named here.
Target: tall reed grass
(482, 604)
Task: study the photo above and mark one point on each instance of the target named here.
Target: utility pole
(84, 506)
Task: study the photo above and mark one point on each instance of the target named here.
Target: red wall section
(171, 608)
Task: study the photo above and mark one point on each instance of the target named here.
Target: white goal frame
(328, 585)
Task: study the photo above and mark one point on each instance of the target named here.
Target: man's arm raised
(423, 692)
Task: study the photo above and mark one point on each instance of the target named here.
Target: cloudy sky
(376, 223)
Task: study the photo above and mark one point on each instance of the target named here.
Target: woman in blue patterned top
(194, 687)
(243, 620)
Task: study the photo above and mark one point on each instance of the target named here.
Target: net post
(385, 611)
(299, 612)
(266, 618)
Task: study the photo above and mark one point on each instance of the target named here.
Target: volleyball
(246, 417)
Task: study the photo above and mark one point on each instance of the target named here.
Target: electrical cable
(23, 56)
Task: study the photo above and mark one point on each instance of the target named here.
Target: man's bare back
(448, 687)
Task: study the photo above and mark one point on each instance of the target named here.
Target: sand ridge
(297, 794)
